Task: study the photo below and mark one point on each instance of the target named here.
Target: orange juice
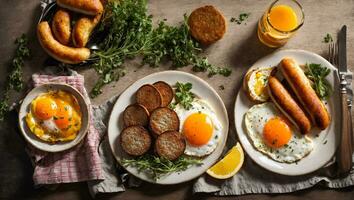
(283, 18)
(280, 22)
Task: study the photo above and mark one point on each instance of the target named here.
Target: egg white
(199, 105)
(255, 119)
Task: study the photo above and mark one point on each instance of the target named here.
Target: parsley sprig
(129, 33)
(317, 74)
(159, 166)
(183, 95)
(14, 81)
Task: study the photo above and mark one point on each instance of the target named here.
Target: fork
(344, 147)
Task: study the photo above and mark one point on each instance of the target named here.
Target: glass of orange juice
(280, 22)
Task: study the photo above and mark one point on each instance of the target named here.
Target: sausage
(58, 51)
(87, 7)
(61, 26)
(301, 86)
(83, 28)
(284, 101)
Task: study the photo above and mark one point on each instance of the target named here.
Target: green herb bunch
(14, 81)
(129, 33)
(317, 74)
(159, 166)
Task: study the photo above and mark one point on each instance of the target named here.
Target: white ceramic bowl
(33, 139)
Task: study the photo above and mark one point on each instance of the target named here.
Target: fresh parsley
(317, 74)
(129, 33)
(328, 38)
(14, 81)
(159, 166)
(183, 96)
(241, 18)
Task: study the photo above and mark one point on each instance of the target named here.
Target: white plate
(202, 90)
(40, 144)
(324, 145)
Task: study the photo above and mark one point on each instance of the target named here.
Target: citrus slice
(229, 165)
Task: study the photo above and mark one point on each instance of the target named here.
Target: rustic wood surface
(238, 49)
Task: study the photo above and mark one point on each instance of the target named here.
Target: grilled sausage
(58, 51)
(83, 29)
(148, 96)
(88, 7)
(284, 101)
(304, 92)
(166, 92)
(135, 140)
(61, 26)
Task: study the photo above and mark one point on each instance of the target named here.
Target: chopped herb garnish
(317, 74)
(325, 142)
(241, 18)
(158, 167)
(222, 87)
(328, 38)
(183, 96)
(55, 117)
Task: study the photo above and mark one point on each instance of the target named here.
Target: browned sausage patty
(207, 24)
(135, 140)
(136, 114)
(149, 96)
(170, 145)
(166, 92)
(163, 119)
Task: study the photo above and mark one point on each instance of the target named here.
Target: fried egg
(257, 81)
(54, 116)
(272, 134)
(200, 127)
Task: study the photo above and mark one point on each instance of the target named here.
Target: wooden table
(238, 49)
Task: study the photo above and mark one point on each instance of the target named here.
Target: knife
(344, 153)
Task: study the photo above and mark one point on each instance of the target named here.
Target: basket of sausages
(65, 28)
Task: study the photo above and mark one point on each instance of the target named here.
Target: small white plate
(33, 139)
(324, 145)
(202, 90)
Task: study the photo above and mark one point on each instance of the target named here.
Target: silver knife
(344, 153)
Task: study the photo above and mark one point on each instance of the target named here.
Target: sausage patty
(166, 92)
(207, 24)
(135, 114)
(135, 140)
(149, 96)
(163, 119)
(170, 145)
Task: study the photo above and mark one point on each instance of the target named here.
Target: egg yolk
(276, 133)
(259, 86)
(198, 129)
(63, 116)
(45, 108)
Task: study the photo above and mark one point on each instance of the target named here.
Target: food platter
(202, 90)
(58, 146)
(324, 144)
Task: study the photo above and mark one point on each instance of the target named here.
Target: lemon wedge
(229, 165)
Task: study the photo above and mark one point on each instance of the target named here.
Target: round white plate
(40, 144)
(324, 145)
(202, 90)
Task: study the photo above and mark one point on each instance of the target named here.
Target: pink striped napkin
(80, 163)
